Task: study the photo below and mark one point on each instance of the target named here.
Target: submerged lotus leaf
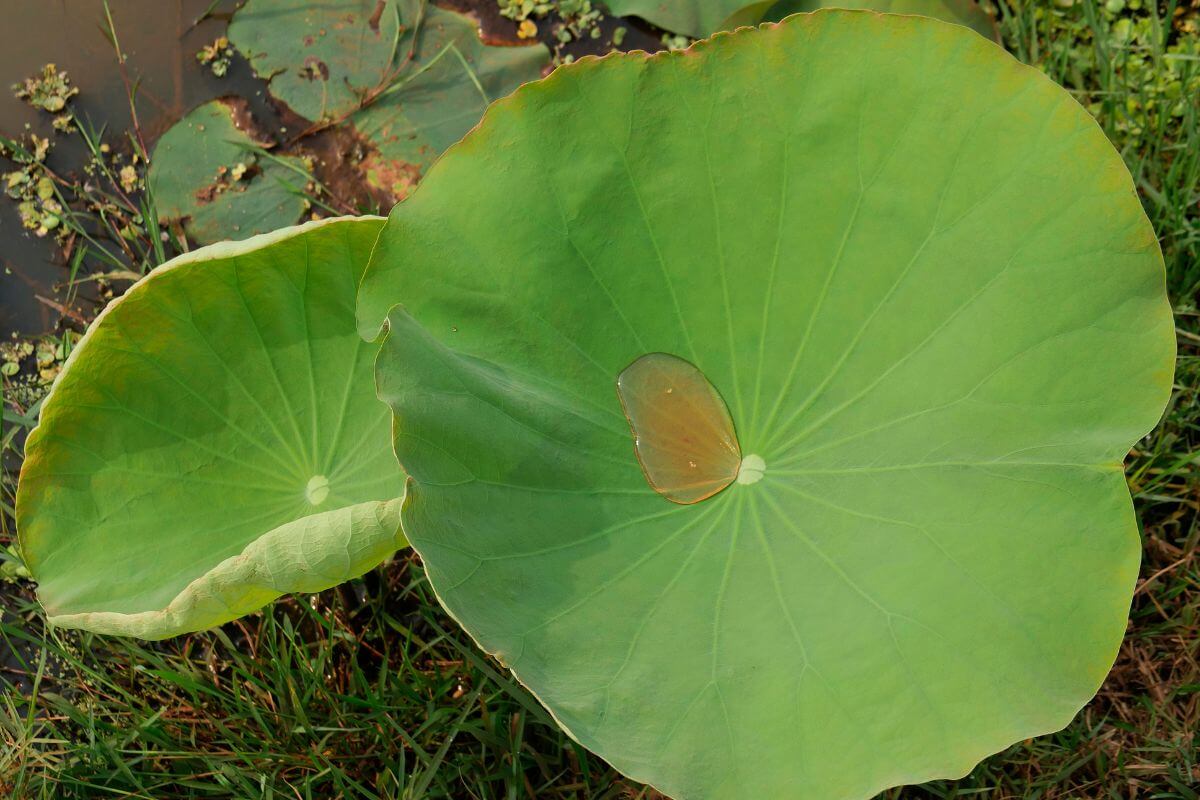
(204, 173)
(440, 97)
(214, 441)
(419, 72)
(321, 58)
(923, 283)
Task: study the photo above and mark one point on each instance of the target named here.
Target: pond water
(160, 39)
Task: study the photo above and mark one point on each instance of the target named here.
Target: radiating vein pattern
(922, 280)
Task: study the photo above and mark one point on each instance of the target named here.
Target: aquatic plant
(934, 357)
(762, 410)
(213, 441)
(206, 174)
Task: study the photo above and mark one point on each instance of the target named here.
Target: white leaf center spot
(751, 469)
(317, 489)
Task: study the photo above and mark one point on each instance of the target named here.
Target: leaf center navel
(751, 469)
(317, 490)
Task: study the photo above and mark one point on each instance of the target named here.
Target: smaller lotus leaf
(214, 441)
(204, 173)
(320, 58)
(920, 277)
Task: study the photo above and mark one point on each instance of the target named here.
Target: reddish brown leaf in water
(682, 431)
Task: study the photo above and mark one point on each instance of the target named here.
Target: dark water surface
(160, 42)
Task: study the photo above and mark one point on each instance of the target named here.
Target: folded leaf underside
(307, 555)
(214, 441)
(923, 284)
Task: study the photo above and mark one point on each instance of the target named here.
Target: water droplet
(684, 439)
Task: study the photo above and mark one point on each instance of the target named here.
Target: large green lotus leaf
(214, 441)
(321, 58)
(962, 12)
(195, 177)
(921, 281)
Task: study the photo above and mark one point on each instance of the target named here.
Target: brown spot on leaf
(338, 154)
(315, 68)
(396, 179)
(228, 179)
(376, 16)
(206, 194)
